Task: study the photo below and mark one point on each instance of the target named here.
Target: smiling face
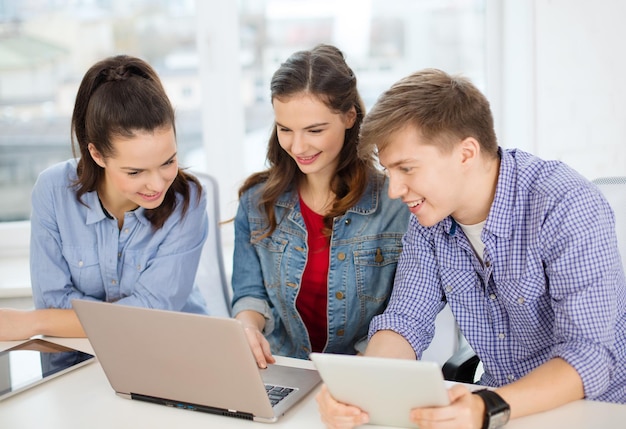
(139, 173)
(311, 133)
(434, 183)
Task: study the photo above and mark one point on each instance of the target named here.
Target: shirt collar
(96, 213)
(368, 203)
(500, 218)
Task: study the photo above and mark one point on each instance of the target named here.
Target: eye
(133, 173)
(170, 162)
(283, 129)
(405, 170)
(315, 131)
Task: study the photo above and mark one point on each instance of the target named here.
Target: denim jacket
(364, 249)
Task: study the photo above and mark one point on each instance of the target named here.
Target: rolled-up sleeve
(584, 271)
(249, 291)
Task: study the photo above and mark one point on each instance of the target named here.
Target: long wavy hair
(118, 97)
(323, 73)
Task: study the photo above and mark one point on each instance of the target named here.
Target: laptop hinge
(192, 407)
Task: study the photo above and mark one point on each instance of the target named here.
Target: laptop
(189, 361)
(387, 389)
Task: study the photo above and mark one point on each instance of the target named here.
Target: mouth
(307, 159)
(413, 204)
(151, 197)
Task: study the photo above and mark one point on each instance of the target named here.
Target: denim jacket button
(341, 256)
(291, 284)
(339, 295)
(340, 332)
(347, 221)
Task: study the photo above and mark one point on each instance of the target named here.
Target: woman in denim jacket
(317, 239)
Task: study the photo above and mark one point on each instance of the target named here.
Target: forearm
(388, 343)
(551, 385)
(251, 318)
(23, 324)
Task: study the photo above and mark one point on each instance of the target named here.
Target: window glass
(46, 47)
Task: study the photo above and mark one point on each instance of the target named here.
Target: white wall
(563, 87)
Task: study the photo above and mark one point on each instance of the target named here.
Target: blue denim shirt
(364, 249)
(77, 252)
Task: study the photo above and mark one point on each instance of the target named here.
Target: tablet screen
(35, 361)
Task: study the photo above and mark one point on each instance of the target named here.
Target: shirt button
(340, 332)
(520, 300)
(487, 264)
(80, 263)
(138, 267)
(113, 282)
(126, 230)
(510, 377)
(492, 296)
(341, 256)
(501, 336)
(339, 295)
(347, 221)
(448, 288)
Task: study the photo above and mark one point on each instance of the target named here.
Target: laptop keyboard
(277, 393)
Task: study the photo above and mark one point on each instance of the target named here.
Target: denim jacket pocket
(270, 251)
(375, 270)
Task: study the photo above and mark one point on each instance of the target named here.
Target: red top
(312, 299)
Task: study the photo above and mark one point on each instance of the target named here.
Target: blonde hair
(445, 109)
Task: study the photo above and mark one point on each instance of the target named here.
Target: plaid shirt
(551, 285)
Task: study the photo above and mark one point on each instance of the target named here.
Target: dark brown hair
(323, 73)
(118, 97)
(445, 109)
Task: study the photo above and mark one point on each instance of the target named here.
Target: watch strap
(494, 406)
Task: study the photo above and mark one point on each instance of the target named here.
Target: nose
(156, 183)
(397, 188)
(298, 143)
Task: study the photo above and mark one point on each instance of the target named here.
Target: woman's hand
(336, 415)
(259, 345)
(466, 411)
(253, 324)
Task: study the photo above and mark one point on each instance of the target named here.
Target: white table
(83, 398)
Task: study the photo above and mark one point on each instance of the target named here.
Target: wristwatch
(497, 411)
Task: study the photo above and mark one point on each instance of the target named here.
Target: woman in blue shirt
(317, 239)
(122, 223)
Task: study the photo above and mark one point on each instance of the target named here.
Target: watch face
(499, 419)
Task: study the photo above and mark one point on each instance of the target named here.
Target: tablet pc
(35, 361)
(387, 389)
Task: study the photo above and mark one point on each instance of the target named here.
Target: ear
(350, 117)
(95, 155)
(469, 150)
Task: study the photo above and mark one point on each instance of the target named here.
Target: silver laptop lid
(181, 357)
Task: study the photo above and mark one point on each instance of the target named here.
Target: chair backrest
(614, 189)
(211, 276)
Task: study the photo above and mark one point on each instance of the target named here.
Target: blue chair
(614, 190)
(211, 276)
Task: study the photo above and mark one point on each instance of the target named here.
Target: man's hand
(336, 415)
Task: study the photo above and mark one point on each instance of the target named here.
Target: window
(47, 46)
